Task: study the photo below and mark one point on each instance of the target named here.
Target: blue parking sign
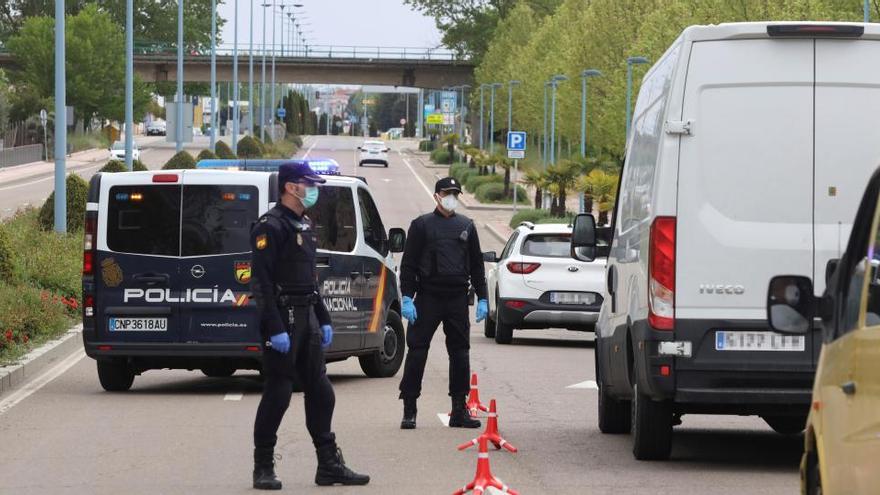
(516, 141)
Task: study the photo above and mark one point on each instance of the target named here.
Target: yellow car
(842, 437)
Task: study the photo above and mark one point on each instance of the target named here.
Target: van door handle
(152, 278)
(322, 260)
(849, 388)
(368, 275)
(354, 275)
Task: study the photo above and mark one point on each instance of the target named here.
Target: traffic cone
(474, 405)
(491, 434)
(483, 479)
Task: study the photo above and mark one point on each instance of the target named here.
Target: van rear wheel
(386, 361)
(115, 375)
(786, 425)
(651, 427)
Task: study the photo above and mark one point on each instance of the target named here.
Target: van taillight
(661, 274)
(89, 239)
(165, 178)
(815, 30)
(89, 306)
(522, 268)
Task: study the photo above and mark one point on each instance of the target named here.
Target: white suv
(536, 284)
(373, 152)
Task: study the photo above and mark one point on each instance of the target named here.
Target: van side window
(872, 306)
(334, 219)
(218, 219)
(509, 246)
(144, 219)
(374, 231)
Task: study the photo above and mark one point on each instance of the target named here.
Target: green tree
(602, 187)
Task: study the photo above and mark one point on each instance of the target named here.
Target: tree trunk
(561, 205)
(507, 182)
(538, 198)
(603, 218)
(588, 203)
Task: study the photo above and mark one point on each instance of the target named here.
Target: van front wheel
(386, 361)
(115, 376)
(651, 427)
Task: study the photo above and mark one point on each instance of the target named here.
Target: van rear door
(215, 263)
(745, 203)
(136, 278)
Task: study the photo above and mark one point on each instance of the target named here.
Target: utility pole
(251, 75)
(272, 114)
(235, 95)
(215, 104)
(178, 128)
(263, 80)
(129, 83)
(60, 122)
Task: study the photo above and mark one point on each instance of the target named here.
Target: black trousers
(433, 309)
(305, 365)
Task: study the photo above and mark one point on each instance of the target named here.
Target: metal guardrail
(303, 51)
(20, 155)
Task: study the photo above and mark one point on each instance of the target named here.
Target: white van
(751, 146)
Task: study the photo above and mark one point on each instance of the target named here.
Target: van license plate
(586, 298)
(758, 341)
(138, 324)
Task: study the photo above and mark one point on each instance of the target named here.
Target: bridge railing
(301, 51)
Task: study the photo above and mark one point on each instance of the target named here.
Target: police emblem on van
(243, 272)
(111, 273)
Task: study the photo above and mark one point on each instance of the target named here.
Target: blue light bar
(321, 166)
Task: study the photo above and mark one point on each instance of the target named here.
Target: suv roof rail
(528, 225)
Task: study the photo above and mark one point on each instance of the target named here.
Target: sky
(386, 23)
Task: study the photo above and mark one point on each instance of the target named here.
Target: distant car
(156, 128)
(117, 151)
(373, 152)
(536, 284)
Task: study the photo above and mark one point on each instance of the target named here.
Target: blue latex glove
(280, 342)
(326, 336)
(409, 309)
(482, 310)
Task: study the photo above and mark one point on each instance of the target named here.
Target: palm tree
(564, 176)
(603, 188)
(505, 163)
(451, 140)
(537, 179)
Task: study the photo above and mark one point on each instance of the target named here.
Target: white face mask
(449, 203)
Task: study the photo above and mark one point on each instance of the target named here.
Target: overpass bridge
(427, 68)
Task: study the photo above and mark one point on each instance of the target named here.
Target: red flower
(25, 339)
(8, 335)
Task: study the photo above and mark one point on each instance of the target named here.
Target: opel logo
(573, 269)
(197, 271)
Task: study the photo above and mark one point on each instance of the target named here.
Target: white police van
(167, 267)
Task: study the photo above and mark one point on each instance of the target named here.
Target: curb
(39, 359)
(492, 230)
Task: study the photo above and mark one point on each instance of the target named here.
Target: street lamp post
(263, 79)
(60, 122)
(272, 106)
(586, 74)
(867, 12)
(510, 85)
(492, 88)
(235, 81)
(178, 129)
(481, 115)
(545, 136)
(251, 75)
(629, 83)
(129, 82)
(215, 105)
(462, 111)
(555, 80)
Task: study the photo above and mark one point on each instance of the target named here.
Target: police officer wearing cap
(296, 329)
(441, 260)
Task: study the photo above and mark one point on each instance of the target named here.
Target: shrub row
(534, 216)
(474, 181)
(77, 193)
(441, 157)
(493, 192)
(427, 145)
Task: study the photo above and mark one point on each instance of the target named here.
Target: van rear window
(144, 219)
(217, 219)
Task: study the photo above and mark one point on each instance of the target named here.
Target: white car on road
(536, 284)
(117, 151)
(373, 152)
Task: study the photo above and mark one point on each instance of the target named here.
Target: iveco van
(167, 268)
(751, 145)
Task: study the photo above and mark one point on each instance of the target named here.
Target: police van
(167, 268)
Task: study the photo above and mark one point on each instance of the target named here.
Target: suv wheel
(386, 361)
(219, 371)
(651, 427)
(786, 425)
(489, 324)
(615, 415)
(503, 332)
(115, 376)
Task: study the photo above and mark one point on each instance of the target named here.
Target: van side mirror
(490, 257)
(791, 304)
(583, 238)
(397, 239)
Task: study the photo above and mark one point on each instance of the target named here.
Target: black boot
(409, 415)
(460, 416)
(264, 470)
(332, 469)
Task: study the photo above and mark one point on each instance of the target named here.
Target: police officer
(296, 329)
(441, 259)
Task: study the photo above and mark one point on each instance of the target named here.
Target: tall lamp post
(235, 95)
(867, 12)
(493, 87)
(251, 75)
(555, 80)
(263, 79)
(60, 122)
(629, 86)
(510, 85)
(482, 111)
(129, 83)
(586, 74)
(215, 105)
(544, 151)
(272, 106)
(178, 128)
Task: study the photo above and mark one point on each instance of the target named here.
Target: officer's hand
(280, 342)
(326, 336)
(482, 310)
(409, 309)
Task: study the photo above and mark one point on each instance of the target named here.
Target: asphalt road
(179, 432)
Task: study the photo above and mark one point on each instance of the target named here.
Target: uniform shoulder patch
(262, 241)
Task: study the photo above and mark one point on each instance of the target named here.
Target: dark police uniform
(284, 286)
(441, 259)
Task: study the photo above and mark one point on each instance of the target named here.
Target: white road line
(232, 396)
(310, 149)
(41, 381)
(51, 177)
(406, 162)
(589, 384)
(444, 418)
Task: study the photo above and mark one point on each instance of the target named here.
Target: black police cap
(447, 184)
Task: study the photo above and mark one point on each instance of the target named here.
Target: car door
(375, 274)
(497, 275)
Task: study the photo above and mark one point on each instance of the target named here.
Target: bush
(114, 166)
(467, 173)
(534, 216)
(29, 316)
(455, 171)
(53, 262)
(427, 145)
(249, 147)
(474, 181)
(493, 192)
(297, 140)
(441, 156)
(138, 166)
(206, 155)
(77, 193)
(180, 161)
(223, 151)
(7, 257)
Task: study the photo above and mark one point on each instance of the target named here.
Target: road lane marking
(51, 177)
(41, 381)
(411, 169)
(589, 384)
(233, 396)
(310, 149)
(444, 418)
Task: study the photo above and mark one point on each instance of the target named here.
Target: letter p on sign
(516, 141)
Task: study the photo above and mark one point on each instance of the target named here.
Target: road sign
(282, 112)
(44, 117)
(435, 118)
(516, 141)
(516, 154)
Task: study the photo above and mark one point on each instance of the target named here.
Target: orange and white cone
(491, 434)
(474, 405)
(484, 479)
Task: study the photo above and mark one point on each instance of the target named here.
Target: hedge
(249, 147)
(427, 145)
(441, 156)
(77, 194)
(222, 150)
(206, 155)
(534, 216)
(114, 166)
(180, 161)
(474, 181)
(493, 192)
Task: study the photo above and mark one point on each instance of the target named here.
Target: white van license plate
(758, 341)
(572, 298)
(138, 324)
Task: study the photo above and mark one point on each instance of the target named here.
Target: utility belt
(291, 300)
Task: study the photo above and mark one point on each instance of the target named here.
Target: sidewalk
(75, 161)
